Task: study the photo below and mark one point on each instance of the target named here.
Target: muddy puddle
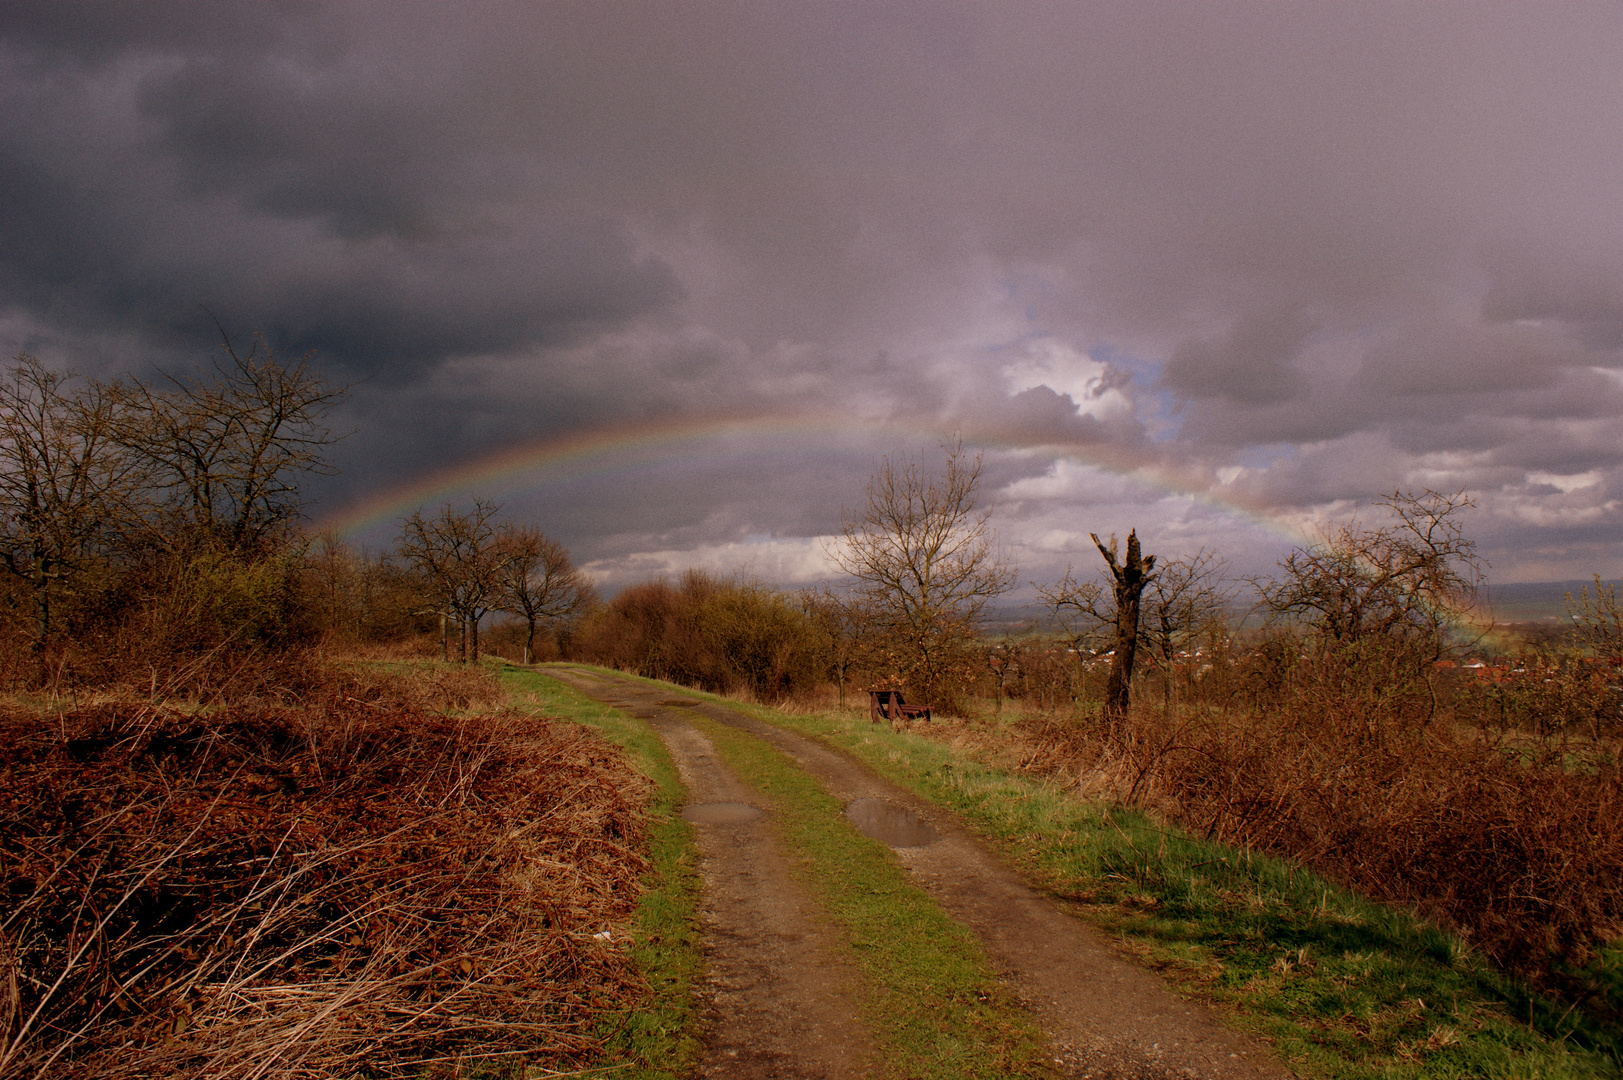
(720, 813)
(891, 824)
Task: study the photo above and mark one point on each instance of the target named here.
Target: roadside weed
(656, 1042)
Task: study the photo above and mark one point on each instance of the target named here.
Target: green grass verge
(1345, 987)
(935, 1007)
(656, 1041)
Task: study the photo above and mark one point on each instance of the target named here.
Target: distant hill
(1014, 618)
(1536, 601)
(1522, 601)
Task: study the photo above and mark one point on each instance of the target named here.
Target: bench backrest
(884, 703)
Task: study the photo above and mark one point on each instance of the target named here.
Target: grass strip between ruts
(1344, 986)
(657, 1041)
(935, 1007)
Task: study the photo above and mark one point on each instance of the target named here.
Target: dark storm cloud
(1040, 415)
(1586, 300)
(1384, 237)
(88, 31)
(1252, 363)
(177, 173)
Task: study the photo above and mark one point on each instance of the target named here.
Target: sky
(669, 280)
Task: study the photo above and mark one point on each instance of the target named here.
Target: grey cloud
(1586, 300)
(92, 32)
(309, 214)
(287, 148)
(1591, 445)
(1040, 416)
(1387, 234)
(99, 250)
(1441, 358)
(1220, 426)
(1252, 363)
(1348, 469)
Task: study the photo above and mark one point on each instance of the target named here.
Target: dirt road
(781, 999)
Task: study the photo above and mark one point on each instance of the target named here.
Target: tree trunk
(42, 616)
(40, 569)
(42, 606)
(1130, 577)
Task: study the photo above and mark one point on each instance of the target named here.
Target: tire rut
(779, 997)
(1106, 1018)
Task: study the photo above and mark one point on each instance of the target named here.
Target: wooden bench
(891, 705)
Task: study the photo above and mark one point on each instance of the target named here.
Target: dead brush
(1521, 854)
(264, 678)
(360, 885)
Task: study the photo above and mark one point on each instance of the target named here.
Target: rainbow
(628, 447)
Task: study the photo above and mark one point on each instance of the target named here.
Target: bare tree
(460, 554)
(1401, 581)
(65, 484)
(1005, 661)
(1379, 604)
(1079, 608)
(843, 622)
(1175, 603)
(1130, 576)
(362, 596)
(925, 561)
(1186, 598)
(1597, 619)
(537, 581)
(227, 455)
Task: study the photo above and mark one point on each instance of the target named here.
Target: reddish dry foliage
(305, 892)
(1524, 858)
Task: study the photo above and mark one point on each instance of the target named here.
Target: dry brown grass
(1520, 848)
(404, 673)
(271, 890)
(1524, 856)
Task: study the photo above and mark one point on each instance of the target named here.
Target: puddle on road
(720, 813)
(891, 824)
(676, 704)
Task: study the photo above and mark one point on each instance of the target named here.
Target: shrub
(721, 636)
(1523, 856)
(358, 884)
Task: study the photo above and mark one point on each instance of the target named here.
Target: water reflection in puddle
(720, 813)
(891, 824)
